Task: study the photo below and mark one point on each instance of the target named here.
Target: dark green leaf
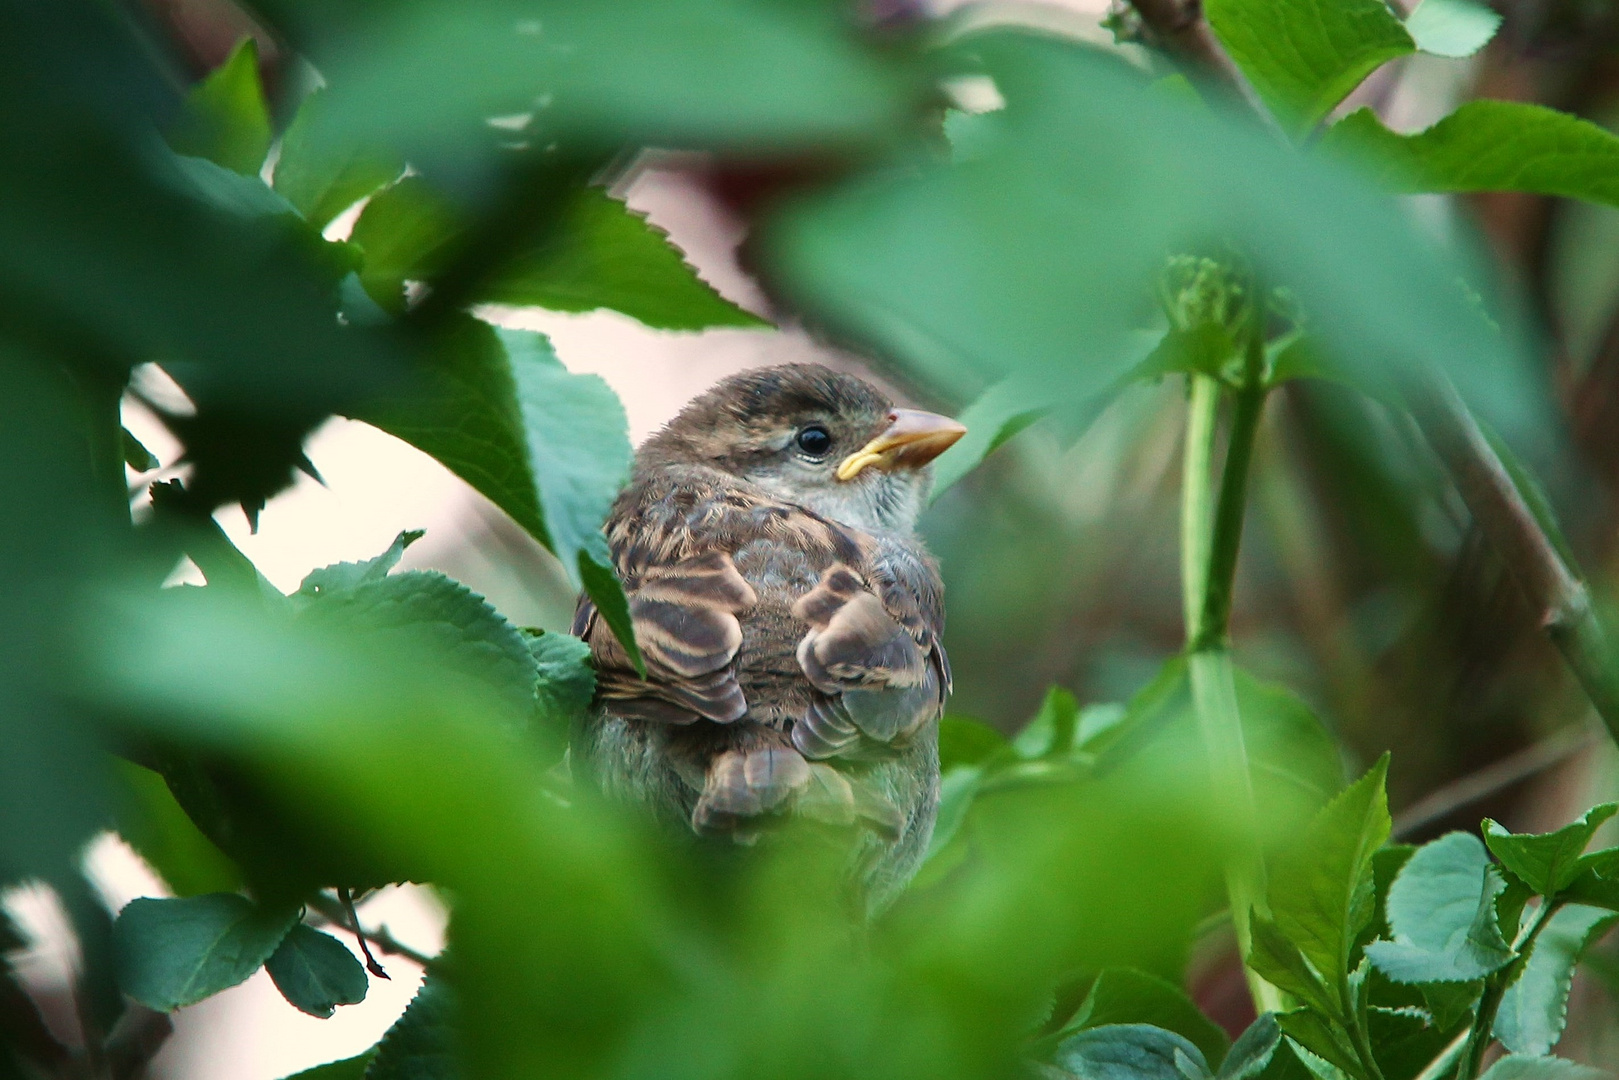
(1450, 1003)
(1253, 1051)
(1131, 1052)
(1548, 862)
(1441, 908)
(1488, 146)
(177, 952)
(136, 456)
(315, 972)
(226, 118)
(234, 193)
(1121, 996)
(1279, 962)
(1535, 1007)
(404, 231)
(345, 576)
(421, 1045)
(602, 254)
(155, 826)
(548, 447)
(1386, 866)
(964, 741)
(1455, 28)
(567, 682)
(1321, 888)
(348, 1069)
(1519, 1067)
(1304, 56)
(1405, 1040)
(322, 180)
(1321, 1037)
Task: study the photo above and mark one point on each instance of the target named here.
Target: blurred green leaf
(1253, 1051)
(1548, 862)
(315, 972)
(1441, 908)
(1321, 888)
(548, 447)
(1036, 257)
(1304, 56)
(1051, 732)
(226, 117)
(176, 952)
(136, 456)
(1454, 28)
(965, 741)
(1534, 1008)
(1131, 1052)
(348, 1069)
(1321, 1037)
(1123, 996)
(1519, 1067)
(321, 179)
(421, 1044)
(153, 823)
(405, 231)
(1294, 761)
(346, 576)
(602, 254)
(1278, 961)
(1487, 146)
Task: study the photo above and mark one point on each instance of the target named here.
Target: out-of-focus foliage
(1054, 267)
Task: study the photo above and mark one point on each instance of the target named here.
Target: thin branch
(332, 911)
(1512, 769)
(1179, 28)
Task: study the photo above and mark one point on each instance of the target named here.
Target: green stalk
(1483, 1030)
(1209, 544)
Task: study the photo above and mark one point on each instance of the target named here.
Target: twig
(371, 964)
(385, 942)
(1180, 30)
(1512, 769)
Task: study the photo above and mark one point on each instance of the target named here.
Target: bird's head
(816, 437)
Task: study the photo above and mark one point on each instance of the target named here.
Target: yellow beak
(913, 438)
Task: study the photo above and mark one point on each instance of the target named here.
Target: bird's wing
(872, 651)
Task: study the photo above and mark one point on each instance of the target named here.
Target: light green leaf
(602, 254)
(1126, 996)
(548, 447)
(176, 952)
(1304, 56)
(315, 972)
(1548, 862)
(1252, 1053)
(996, 416)
(1535, 1007)
(421, 1045)
(1321, 888)
(404, 231)
(344, 576)
(957, 789)
(1487, 146)
(1321, 1037)
(1441, 908)
(1279, 962)
(964, 741)
(322, 180)
(226, 118)
(1131, 1052)
(153, 823)
(1519, 1067)
(567, 682)
(1051, 732)
(1455, 28)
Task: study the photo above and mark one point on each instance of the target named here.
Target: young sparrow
(788, 615)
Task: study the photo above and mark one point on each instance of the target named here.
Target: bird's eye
(815, 440)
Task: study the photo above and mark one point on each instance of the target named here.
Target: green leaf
(173, 953)
(1535, 1007)
(315, 972)
(958, 787)
(548, 447)
(1450, 1003)
(1253, 1051)
(1124, 996)
(1321, 889)
(348, 1069)
(1131, 1052)
(226, 117)
(997, 415)
(1051, 732)
(346, 576)
(567, 682)
(1487, 146)
(1294, 760)
(160, 831)
(1455, 28)
(964, 741)
(136, 456)
(1279, 962)
(320, 179)
(1441, 908)
(602, 254)
(1304, 56)
(405, 232)
(1321, 1037)
(421, 1045)
(1519, 1067)
(1548, 862)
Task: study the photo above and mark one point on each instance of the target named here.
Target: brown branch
(1498, 507)
(333, 913)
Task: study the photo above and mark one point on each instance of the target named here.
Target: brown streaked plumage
(789, 618)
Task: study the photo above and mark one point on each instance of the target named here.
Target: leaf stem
(1483, 1030)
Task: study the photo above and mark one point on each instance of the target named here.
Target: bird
(789, 617)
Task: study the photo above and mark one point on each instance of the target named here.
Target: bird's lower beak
(913, 438)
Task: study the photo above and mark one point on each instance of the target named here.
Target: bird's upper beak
(912, 439)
